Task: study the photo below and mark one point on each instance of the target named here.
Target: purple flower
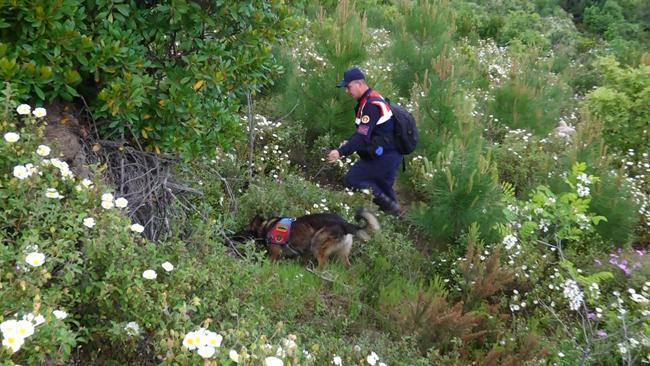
(625, 269)
(601, 333)
(591, 316)
(639, 252)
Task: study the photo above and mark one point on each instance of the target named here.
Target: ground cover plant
(526, 227)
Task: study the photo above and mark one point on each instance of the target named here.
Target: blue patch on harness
(379, 150)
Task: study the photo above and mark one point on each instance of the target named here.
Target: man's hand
(333, 156)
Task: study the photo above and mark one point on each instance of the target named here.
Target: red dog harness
(281, 232)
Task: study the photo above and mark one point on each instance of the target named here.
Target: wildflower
(24, 109)
(372, 358)
(87, 183)
(107, 204)
(24, 328)
(149, 274)
(191, 340)
(11, 137)
(13, 342)
(8, 326)
(583, 191)
(639, 298)
(121, 202)
(43, 150)
(213, 339)
(168, 266)
(137, 228)
(621, 348)
(21, 172)
(132, 328)
(89, 222)
(53, 193)
(234, 356)
(601, 333)
(39, 112)
(60, 314)
(573, 294)
(35, 259)
(510, 241)
(273, 361)
(560, 354)
(38, 319)
(337, 361)
(206, 351)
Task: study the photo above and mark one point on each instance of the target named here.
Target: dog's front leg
(274, 252)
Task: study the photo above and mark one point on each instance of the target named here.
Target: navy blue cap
(350, 75)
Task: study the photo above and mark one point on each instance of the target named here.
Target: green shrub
(461, 187)
(622, 103)
(423, 33)
(168, 75)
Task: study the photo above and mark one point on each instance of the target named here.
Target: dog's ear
(256, 224)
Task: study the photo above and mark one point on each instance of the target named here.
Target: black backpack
(406, 132)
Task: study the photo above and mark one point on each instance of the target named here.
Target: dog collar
(281, 232)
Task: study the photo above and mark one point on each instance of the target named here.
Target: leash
(321, 169)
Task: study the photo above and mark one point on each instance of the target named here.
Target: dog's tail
(372, 224)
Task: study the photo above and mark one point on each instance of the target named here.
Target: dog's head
(257, 226)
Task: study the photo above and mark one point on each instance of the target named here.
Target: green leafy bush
(622, 103)
(169, 75)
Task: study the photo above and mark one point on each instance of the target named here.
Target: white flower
(234, 356)
(121, 202)
(510, 241)
(213, 339)
(639, 298)
(87, 183)
(107, 205)
(168, 266)
(23, 109)
(89, 222)
(43, 150)
(132, 328)
(206, 351)
(149, 274)
(39, 319)
(621, 348)
(21, 172)
(11, 137)
(583, 191)
(191, 340)
(372, 358)
(60, 314)
(560, 354)
(53, 193)
(13, 342)
(39, 112)
(573, 293)
(8, 327)
(273, 361)
(24, 328)
(35, 259)
(337, 361)
(137, 228)
(107, 197)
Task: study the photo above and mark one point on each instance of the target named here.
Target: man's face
(354, 89)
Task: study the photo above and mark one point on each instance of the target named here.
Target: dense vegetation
(527, 227)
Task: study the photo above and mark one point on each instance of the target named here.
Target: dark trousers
(378, 174)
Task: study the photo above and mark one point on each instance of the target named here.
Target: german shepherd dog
(319, 235)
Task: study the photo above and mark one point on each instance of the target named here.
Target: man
(372, 141)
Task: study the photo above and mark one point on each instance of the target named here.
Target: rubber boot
(387, 205)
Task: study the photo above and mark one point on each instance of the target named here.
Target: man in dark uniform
(372, 141)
